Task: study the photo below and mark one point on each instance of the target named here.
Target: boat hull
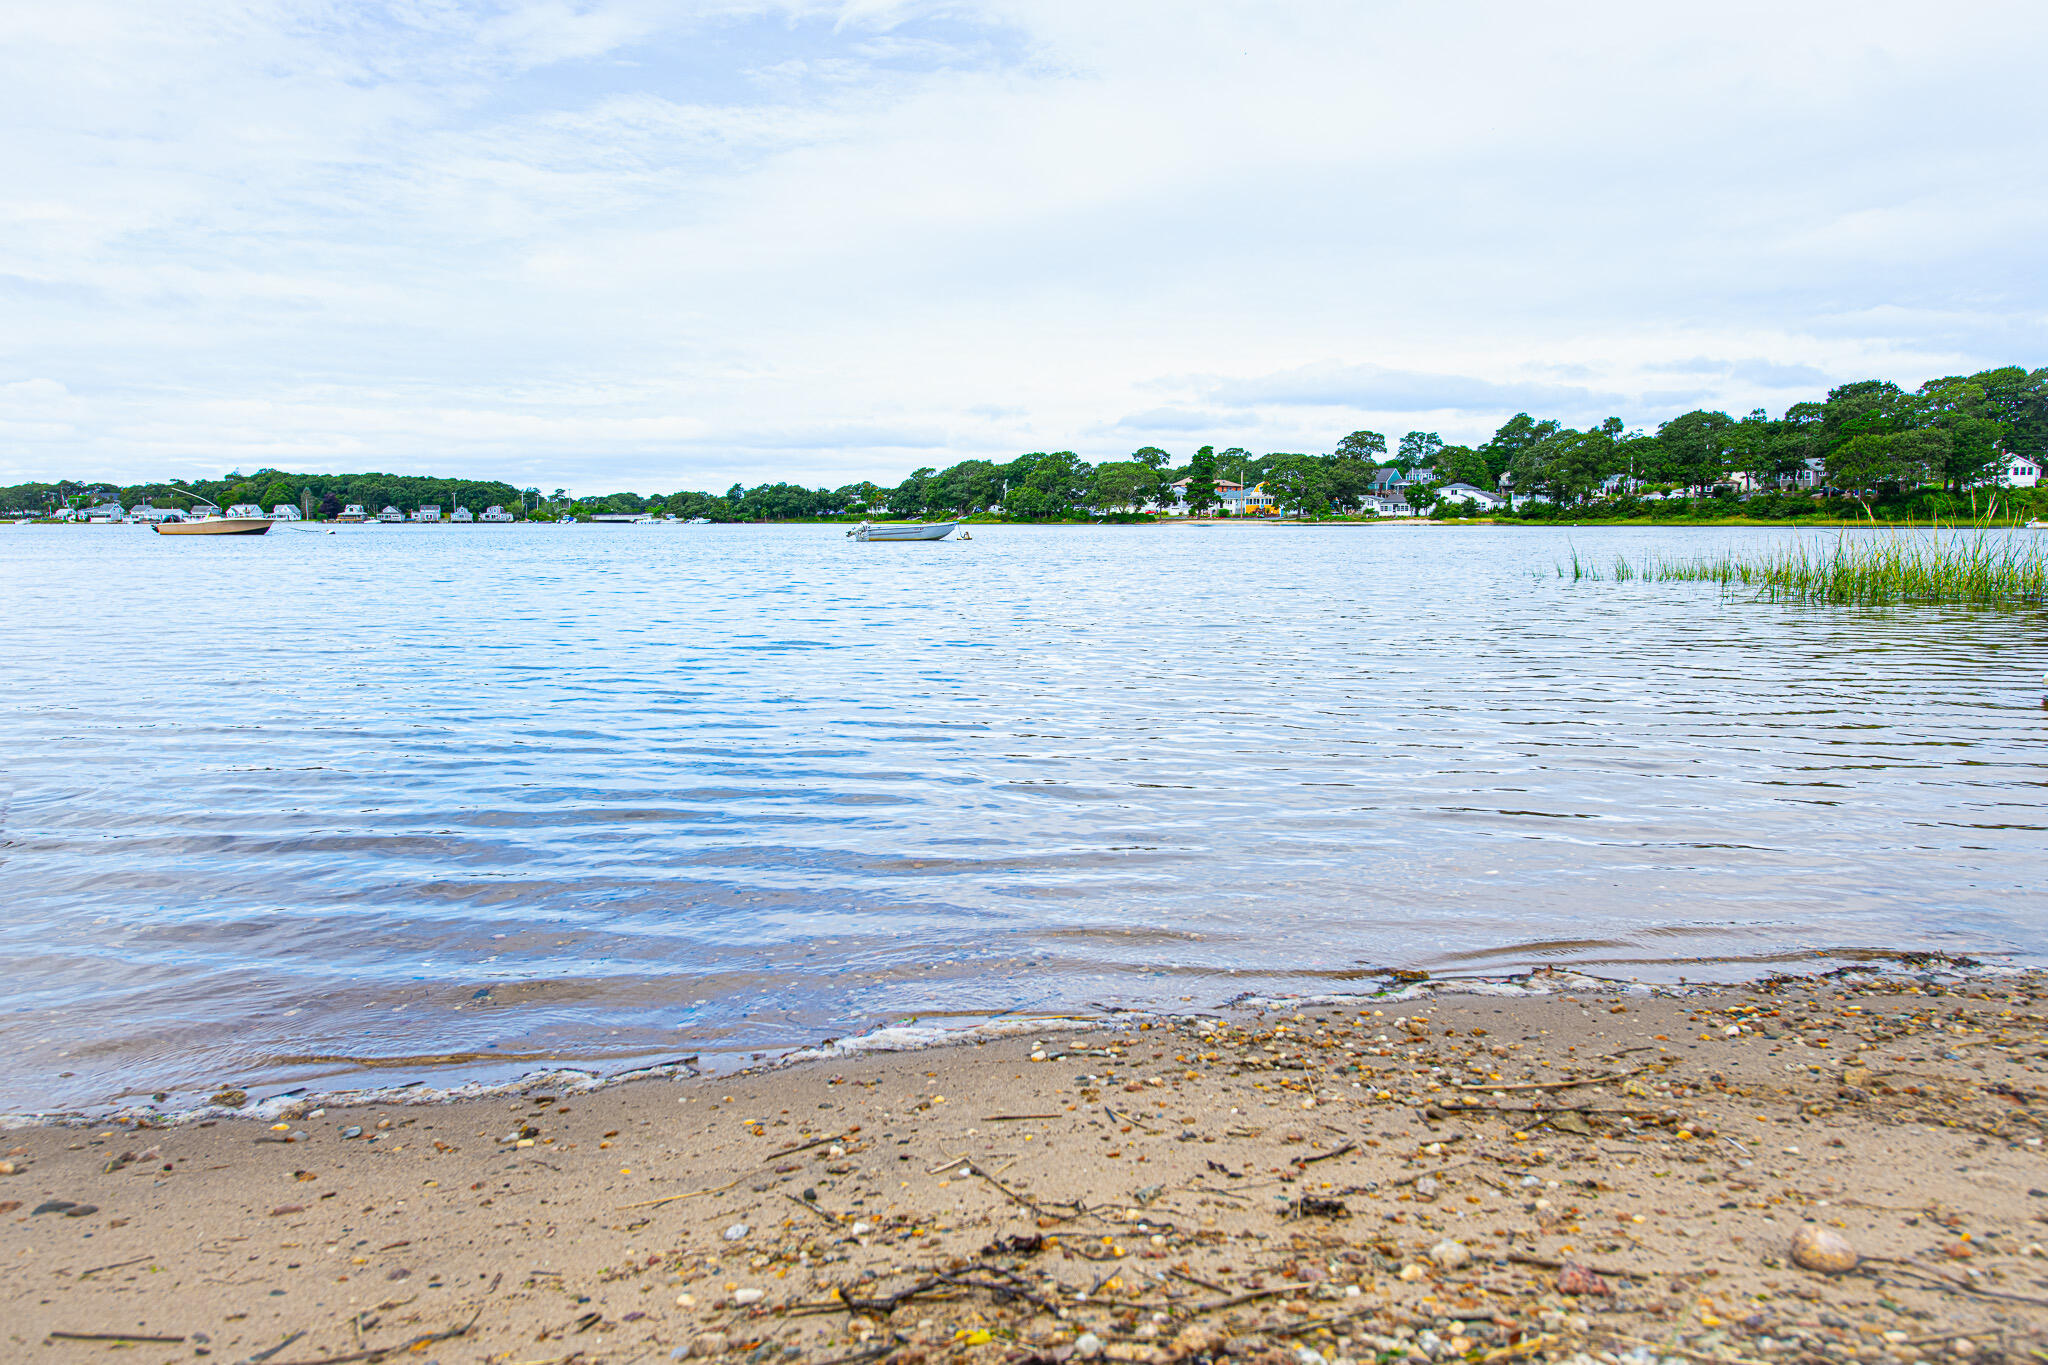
(215, 526)
(936, 531)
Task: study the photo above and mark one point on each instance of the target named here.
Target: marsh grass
(1972, 567)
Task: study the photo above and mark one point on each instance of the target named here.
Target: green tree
(1201, 490)
(1122, 485)
(1512, 444)
(1418, 450)
(1363, 445)
(1297, 485)
(1696, 448)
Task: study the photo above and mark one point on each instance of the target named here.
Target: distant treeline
(1867, 441)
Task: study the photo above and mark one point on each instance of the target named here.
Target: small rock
(861, 1229)
(351, 1132)
(81, 1210)
(1576, 1279)
(1450, 1255)
(1087, 1346)
(9, 1168)
(1426, 1187)
(285, 1210)
(230, 1099)
(736, 1232)
(53, 1206)
(1197, 1339)
(1818, 1248)
(709, 1344)
(747, 1296)
(1412, 1273)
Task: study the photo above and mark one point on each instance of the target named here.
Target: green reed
(1952, 565)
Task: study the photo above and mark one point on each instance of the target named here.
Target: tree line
(1866, 440)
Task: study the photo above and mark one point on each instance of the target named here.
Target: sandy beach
(1589, 1173)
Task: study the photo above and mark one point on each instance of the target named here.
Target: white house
(461, 514)
(352, 512)
(428, 511)
(391, 514)
(1464, 492)
(495, 513)
(246, 509)
(1241, 501)
(2017, 471)
(106, 511)
(284, 511)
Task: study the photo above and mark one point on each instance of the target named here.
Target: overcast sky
(617, 244)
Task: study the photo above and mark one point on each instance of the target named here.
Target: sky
(629, 244)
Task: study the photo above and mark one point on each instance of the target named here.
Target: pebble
(1450, 1255)
(1426, 1187)
(1087, 1346)
(351, 1132)
(1818, 1248)
(709, 1344)
(747, 1296)
(9, 1168)
(736, 1232)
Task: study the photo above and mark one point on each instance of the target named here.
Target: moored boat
(214, 526)
(890, 530)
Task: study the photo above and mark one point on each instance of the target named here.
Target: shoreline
(236, 1096)
(1588, 1172)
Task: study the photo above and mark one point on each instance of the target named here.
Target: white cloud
(693, 242)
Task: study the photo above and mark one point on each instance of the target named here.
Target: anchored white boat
(893, 530)
(214, 524)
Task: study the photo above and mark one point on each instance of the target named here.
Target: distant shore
(1588, 1169)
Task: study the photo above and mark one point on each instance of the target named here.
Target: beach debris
(53, 1206)
(286, 1210)
(352, 1131)
(737, 1232)
(229, 1098)
(1450, 1255)
(1822, 1249)
(1316, 1206)
(1574, 1278)
(1012, 1245)
(9, 1205)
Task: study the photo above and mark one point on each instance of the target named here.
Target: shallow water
(319, 810)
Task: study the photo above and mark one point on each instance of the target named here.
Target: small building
(428, 512)
(105, 512)
(2017, 471)
(246, 509)
(353, 512)
(461, 514)
(391, 514)
(284, 511)
(495, 513)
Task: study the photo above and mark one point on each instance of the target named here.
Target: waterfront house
(461, 514)
(105, 512)
(246, 509)
(495, 513)
(391, 514)
(1480, 499)
(284, 511)
(428, 511)
(2017, 471)
(352, 512)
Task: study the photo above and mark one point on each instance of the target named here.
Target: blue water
(436, 803)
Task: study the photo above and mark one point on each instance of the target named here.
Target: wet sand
(1492, 1178)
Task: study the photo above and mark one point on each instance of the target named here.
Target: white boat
(905, 530)
(214, 526)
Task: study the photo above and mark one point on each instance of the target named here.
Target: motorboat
(903, 530)
(214, 526)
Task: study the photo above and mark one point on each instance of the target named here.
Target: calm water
(278, 808)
